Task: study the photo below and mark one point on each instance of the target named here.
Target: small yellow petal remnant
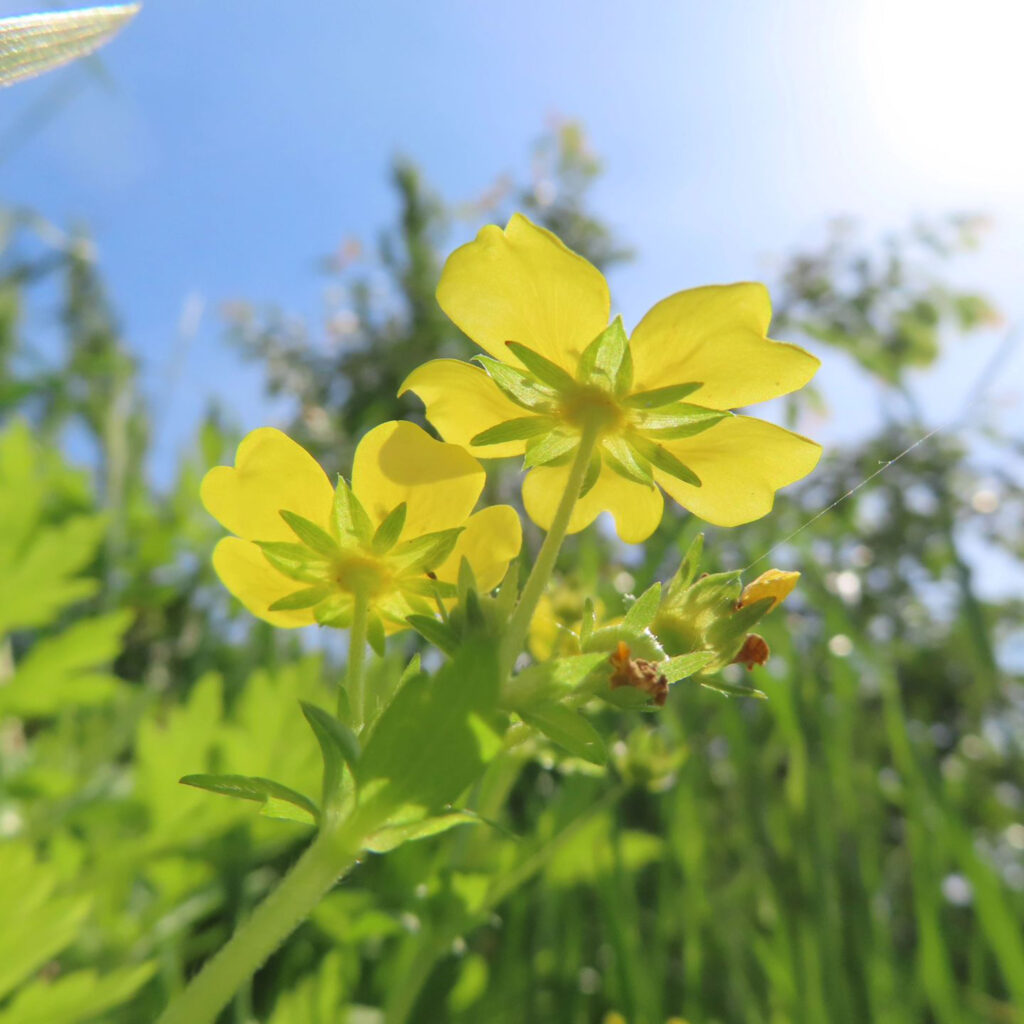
(655, 406)
(304, 550)
(777, 584)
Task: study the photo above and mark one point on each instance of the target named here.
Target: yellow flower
(658, 402)
(303, 549)
(777, 584)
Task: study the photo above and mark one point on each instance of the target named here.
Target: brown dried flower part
(638, 673)
(755, 651)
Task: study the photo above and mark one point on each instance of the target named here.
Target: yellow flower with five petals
(303, 550)
(655, 406)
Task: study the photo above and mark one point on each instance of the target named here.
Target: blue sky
(237, 142)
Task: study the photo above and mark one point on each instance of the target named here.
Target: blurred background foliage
(849, 850)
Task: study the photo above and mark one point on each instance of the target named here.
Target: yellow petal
(251, 578)
(461, 401)
(636, 508)
(741, 463)
(522, 284)
(777, 584)
(490, 541)
(439, 482)
(271, 472)
(716, 335)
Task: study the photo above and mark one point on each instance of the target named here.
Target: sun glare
(945, 83)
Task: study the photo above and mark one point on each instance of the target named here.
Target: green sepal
(518, 385)
(624, 378)
(549, 681)
(307, 598)
(549, 448)
(425, 586)
(685, 665)
(508, 592)
(661, 458)
(542, 368)
(314, 537)
(294, 561)
(339, 747)
(688, 567)
(601, 359)
(389, 530)
(375, 635)
(658, 397)
(335, 611)
(641, 613)
(522, 428)
(569, 729)
(439, 634)
(680, 420)
(593, 473)
(423, 554)
(624, 460)
(350, 518)
(276, 798)
(466, 580)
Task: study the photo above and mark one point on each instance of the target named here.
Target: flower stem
(519, 624)
(330, 855)
(356, 661)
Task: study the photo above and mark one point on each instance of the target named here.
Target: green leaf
(732, 690)
(641, 613)
(688, 567)
(295, 561)
(549, 448)
(33, 43)
(392, 836)
(435, 632)
(307, 598)
(339, 747)
(315, 538)
(423, 554)
(624, 460)
(434, 739)
(520, 387)
(350, 518)
(685, 665)
(466, 580)
(543, 369)
(602, 358)
(390, 530)
(550, 680)
(679, 420)
(661, 458)
(658, 397)
(520, 429)
(569, 729)
(260, 790)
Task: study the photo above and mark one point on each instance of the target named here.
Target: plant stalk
(519, 624)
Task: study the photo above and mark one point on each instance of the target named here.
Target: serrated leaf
(658, 397)
(641, 613)
(620, 455)
(390, 529)
(307, 598)
(423, 554)
(543, 369)
(339, 747)
(601, 359)
(549, 448)
(257, 789)
(569, 729)
(519, 386)
(435, 632)
(661, 458)
(33, 43)
(522, 428)
(350, 518)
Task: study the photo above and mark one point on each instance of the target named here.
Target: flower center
(592, 407)
(358, 574)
